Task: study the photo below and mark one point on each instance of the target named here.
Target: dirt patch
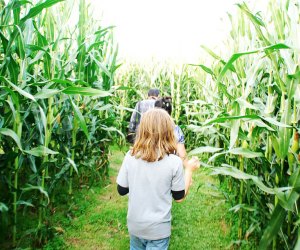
(75, 242)
(224, 227)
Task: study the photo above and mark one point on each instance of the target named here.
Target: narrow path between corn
(198, 223)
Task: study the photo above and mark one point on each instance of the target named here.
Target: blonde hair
(155, 136)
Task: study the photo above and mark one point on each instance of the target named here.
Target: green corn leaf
(25, 203)
(95, 45)
(228, 118)
(262, 125)
(245, 153)
(295, 76)
(256, 19)
(63, 82)
(20, 3)
(34, 11)
(42, 42)
(43, 119)
(99, 107)
(275, 122)
(13, 96)
(210, 52)
(40, 151)
(206, 149)
(234, 132)
(19, 90)
(4, 41)
(202, 129)
(235, 56)
(287, 199)
(274, 225)
(246, 207)
(12, 108)
(246, 117)
(113, 129)
(34, 47)
(13, 135)
(86, 91)
(39, 188)
(243, 103)
(297, 244)
(3, 207)
(285, 133)
(234, 125)
(80, 118)
(10, 62)
(73, 165)
(275, 145)
(46, 93)
(216, 155)
(113, 66)
(101, 65)
(238, 174)
(103, 32)
(21, 45)
(13, 68)
(206, 69)
(214, 55)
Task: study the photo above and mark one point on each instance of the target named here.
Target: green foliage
(55, 80)
(254, 115)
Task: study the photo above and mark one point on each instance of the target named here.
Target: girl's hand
(193, 163)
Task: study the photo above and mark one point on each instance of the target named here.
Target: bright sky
(164, 29)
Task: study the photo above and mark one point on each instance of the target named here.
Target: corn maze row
(64, 99)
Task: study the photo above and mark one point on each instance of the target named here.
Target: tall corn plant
(52, 119)
(258, 115)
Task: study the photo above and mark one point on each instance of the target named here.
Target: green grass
(200, 221)
(98, 219)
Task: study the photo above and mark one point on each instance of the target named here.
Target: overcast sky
(165, 29)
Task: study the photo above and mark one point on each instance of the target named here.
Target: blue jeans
(142, 244)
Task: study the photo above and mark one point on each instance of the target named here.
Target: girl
(152, 174)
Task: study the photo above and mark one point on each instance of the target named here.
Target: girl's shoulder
(128, 154)
(174, 158)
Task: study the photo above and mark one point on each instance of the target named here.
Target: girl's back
(150, 198)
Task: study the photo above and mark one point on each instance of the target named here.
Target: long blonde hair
(155, 136)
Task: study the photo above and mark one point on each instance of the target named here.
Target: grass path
(98, 219)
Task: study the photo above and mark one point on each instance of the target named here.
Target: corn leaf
(206, 69)
(46, 93)
(80, 118)
(25, 203)
(274, 225)
(86, 91)
(235, 56)
(73, 164)
(13, 135)
(19, 90)
(238, 174)
(30, 187)
(3, 207)
(245, 152)
(40, 151)
(39, 8)
(205, 149)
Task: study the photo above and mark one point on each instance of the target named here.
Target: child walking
(152, 174)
